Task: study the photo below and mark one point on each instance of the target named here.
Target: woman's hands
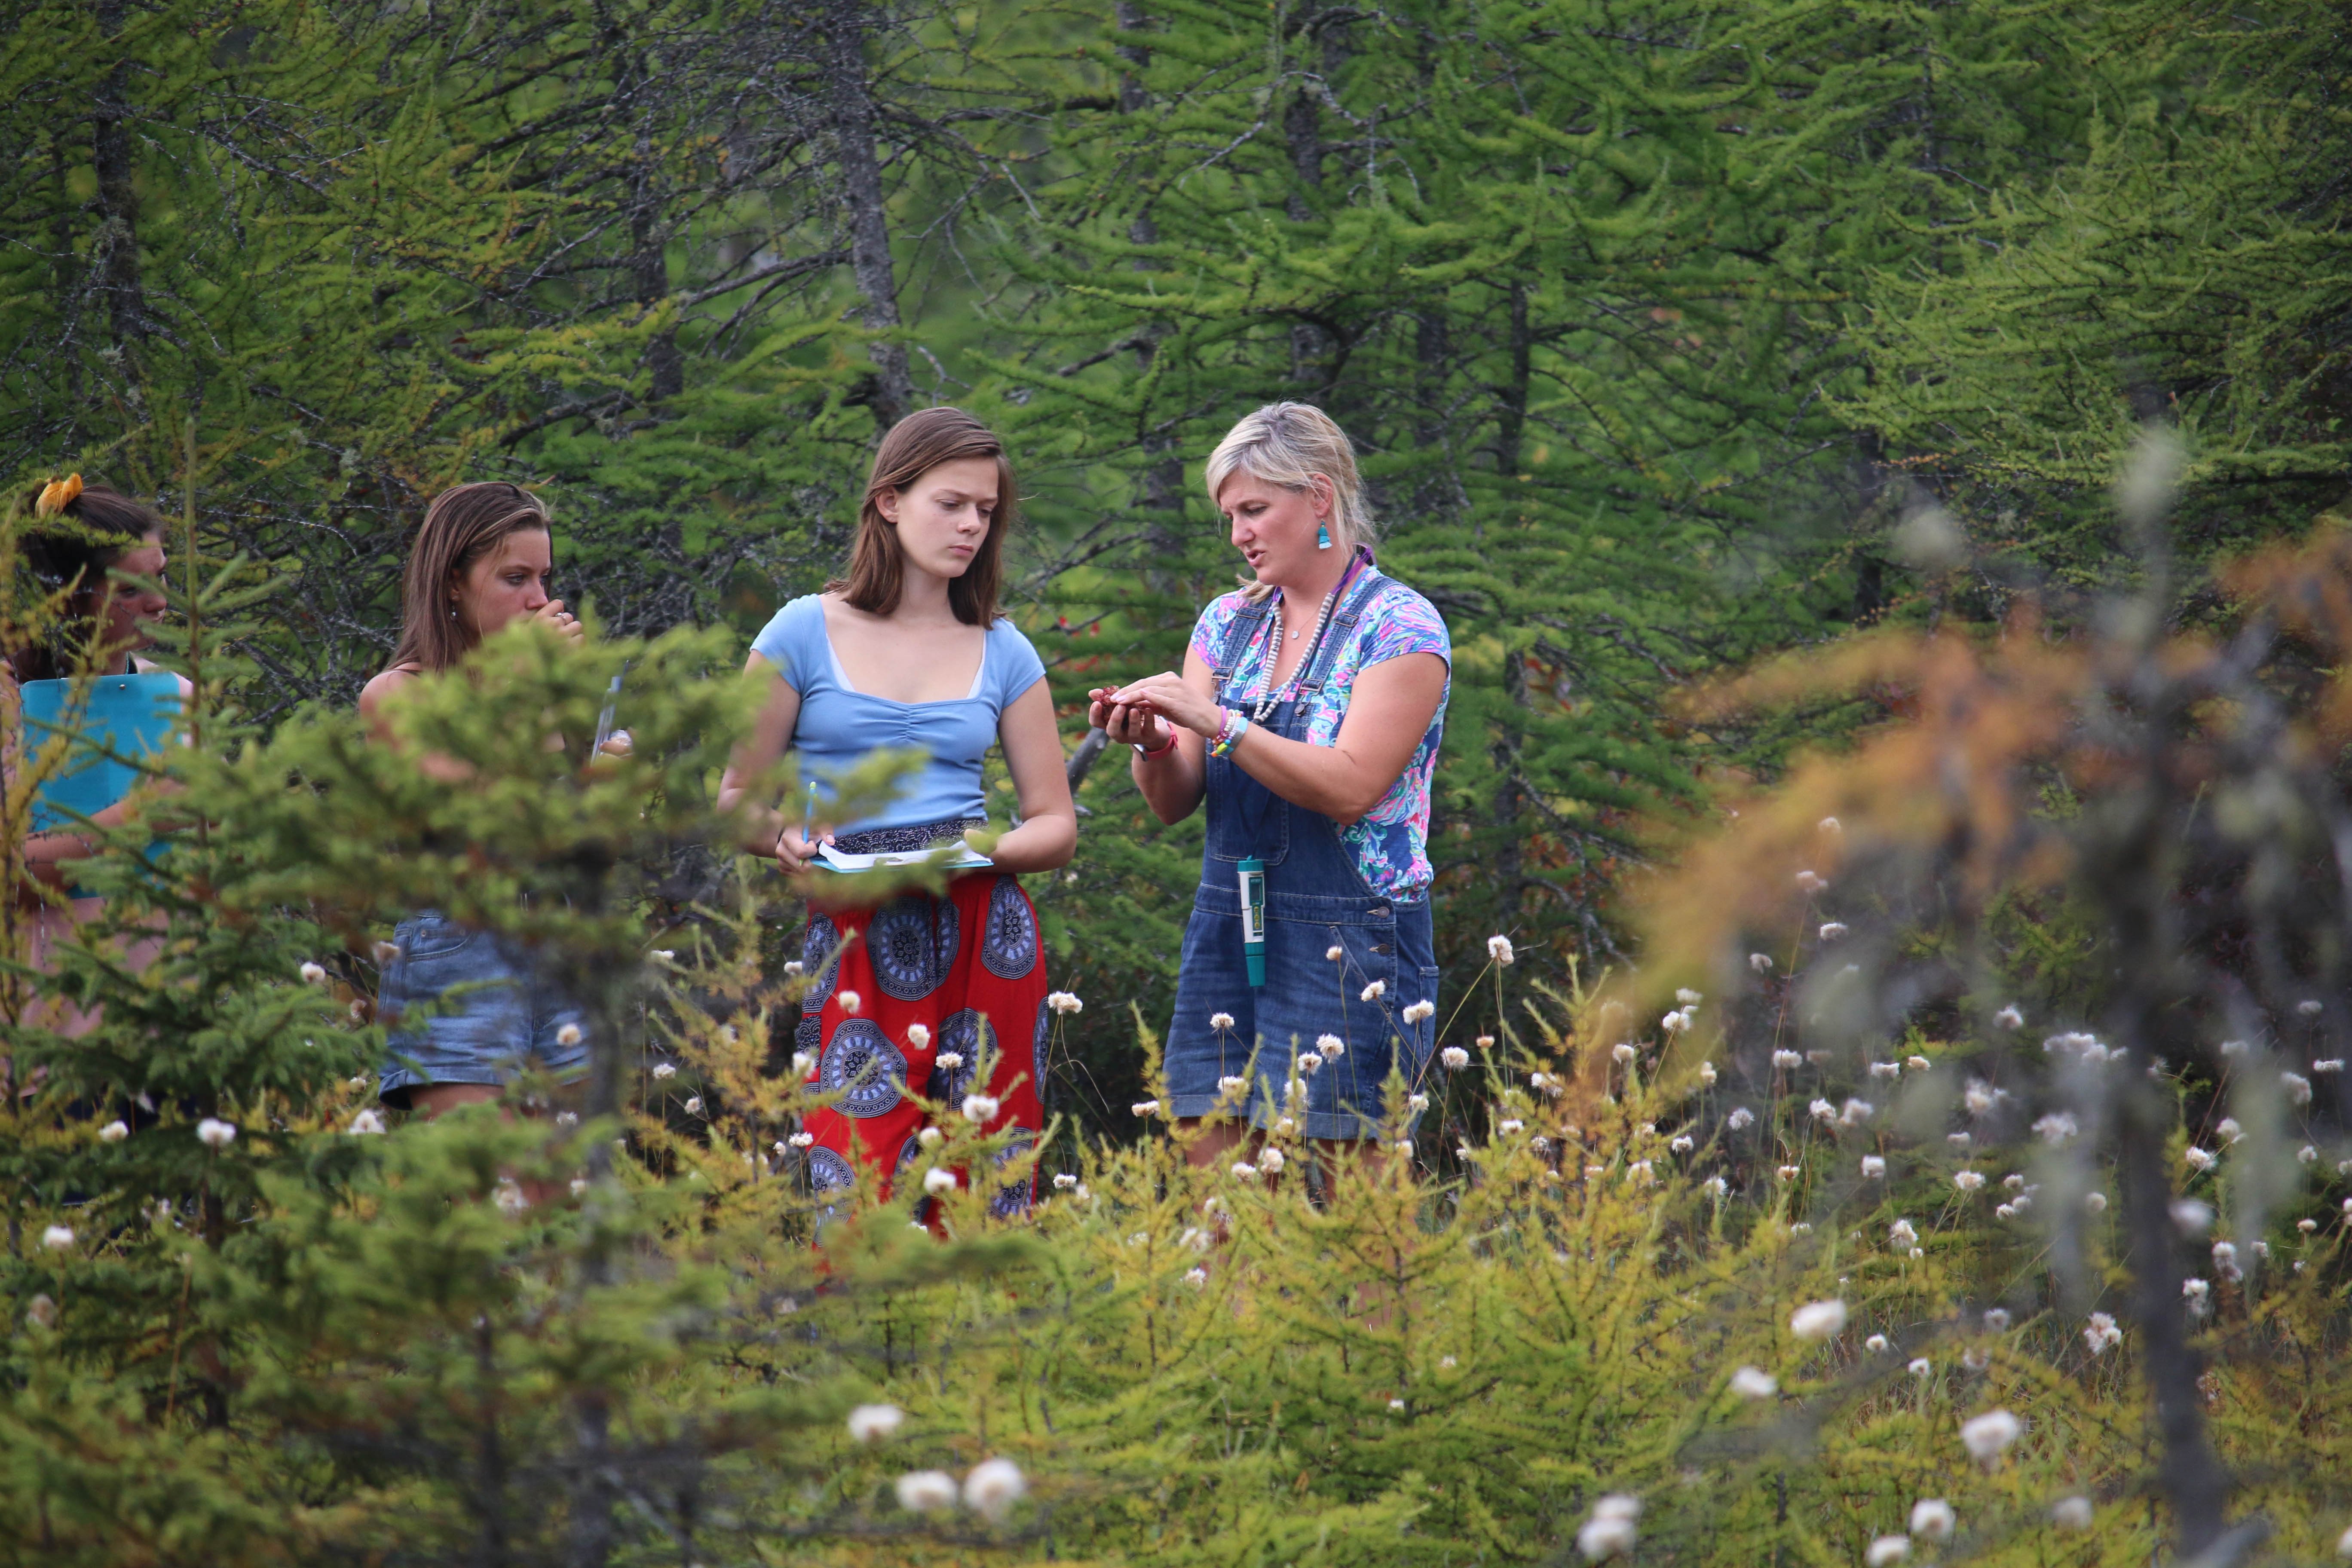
(794, 850)
(1130, 712)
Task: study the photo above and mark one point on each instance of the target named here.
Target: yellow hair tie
(57, 495)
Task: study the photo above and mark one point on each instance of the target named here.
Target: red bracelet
(1154, 756)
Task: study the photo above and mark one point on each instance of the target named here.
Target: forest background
(1655, 324)
(1749, 384)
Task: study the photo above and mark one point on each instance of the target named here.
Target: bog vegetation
(1891, 847)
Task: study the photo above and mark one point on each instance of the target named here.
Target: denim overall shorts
(1316, 902)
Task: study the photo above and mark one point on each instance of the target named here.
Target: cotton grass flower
(1832, 930)
(1220, 1021)
(1707, 1074)
(1989, 1436)
(948, 1059)
(1787, 1061)
(1064, 1181)
(926, 1491)
(1244, 1172)
(1064, 1002)
(2103, 1334)
(1414, 1012)
(1818, 1320)
(872, 1423)
(1682, 1144)
(1762, 963)
(2009, 1018)
(2344, 1542)
(58, 1238)
(1812, 882)
(1332, 1046)
(1196, 1278)
(1741, 1118)
(1903, 1233)
(1499, 948)
(215, 1133)
(1271, 1162)
(1417, 1102)
(2199, 1159)
(114, 1132)
(979, 1107)
(2074, 1513)
(938, 1182)
(1610, 1531)
(1754, 1383)
(850, 1001)
(808, 1140)
(1887, 1550)
(2298, 1088)
(1933, 1518)
(694, 1105)
(919, 1037)
(668, 1070)
(314, 973)
(568, 1035)
(1624, 1051)
(1232, 1083)
(366, 1122)
(1334, 952)
(1374, 992)
(992, 1488)
(1454, 1058)
(1873, 1168)
(1968, 1181)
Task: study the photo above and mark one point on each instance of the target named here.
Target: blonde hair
(1288, 444)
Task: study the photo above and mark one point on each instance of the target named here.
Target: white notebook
(964, 858)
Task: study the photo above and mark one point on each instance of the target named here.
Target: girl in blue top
(908, 652)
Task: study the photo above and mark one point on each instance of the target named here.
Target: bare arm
(1048, 833)
(1389, 711)
(765, 829)
(376, 697)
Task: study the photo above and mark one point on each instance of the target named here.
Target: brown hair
(460, 527)
(915, 446)
(70, 552)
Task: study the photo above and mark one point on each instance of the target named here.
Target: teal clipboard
(132, 716)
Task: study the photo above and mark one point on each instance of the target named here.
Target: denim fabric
(481, 1011)
(1317, 899)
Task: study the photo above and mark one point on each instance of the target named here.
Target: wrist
(1154, 752)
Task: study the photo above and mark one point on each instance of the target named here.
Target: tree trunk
(114, 259)
(869, 220)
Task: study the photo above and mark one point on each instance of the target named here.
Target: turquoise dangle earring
(1322, 534)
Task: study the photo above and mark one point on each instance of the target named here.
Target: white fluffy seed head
(1754, 1383)
(1887, 1550)
(58, 1238)
(872, 1423)
(1932, 1517)
(992, 1488)
(919, 1035)
(569, 1035)
(938, 1182)
(1453, 1057)
(215, 1133)
(1818, 1320)
(1989, 1436)
(926, 1491)
(2074, 1513)
(114, 1132)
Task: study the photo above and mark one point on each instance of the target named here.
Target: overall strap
(1342, 629)
(1247, 623)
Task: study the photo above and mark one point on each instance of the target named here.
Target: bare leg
(1221, 1139)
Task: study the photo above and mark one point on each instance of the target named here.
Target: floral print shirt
(1390, 843)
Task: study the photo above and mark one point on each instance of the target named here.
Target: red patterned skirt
(933, 979)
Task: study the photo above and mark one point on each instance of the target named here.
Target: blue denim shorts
(480, 1012)
(1307, 996)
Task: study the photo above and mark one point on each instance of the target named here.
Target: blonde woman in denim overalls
(1308, 717)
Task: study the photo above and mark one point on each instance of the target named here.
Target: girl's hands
(793, 851)
(562, 620)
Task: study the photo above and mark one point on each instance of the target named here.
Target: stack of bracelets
(1232, 725)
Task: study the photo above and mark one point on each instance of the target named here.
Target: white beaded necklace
(1273, 654)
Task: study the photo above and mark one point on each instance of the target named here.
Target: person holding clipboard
(908, 652)
(97, 555)
(1308, 716)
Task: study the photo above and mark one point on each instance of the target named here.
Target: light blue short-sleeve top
(839, 725)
